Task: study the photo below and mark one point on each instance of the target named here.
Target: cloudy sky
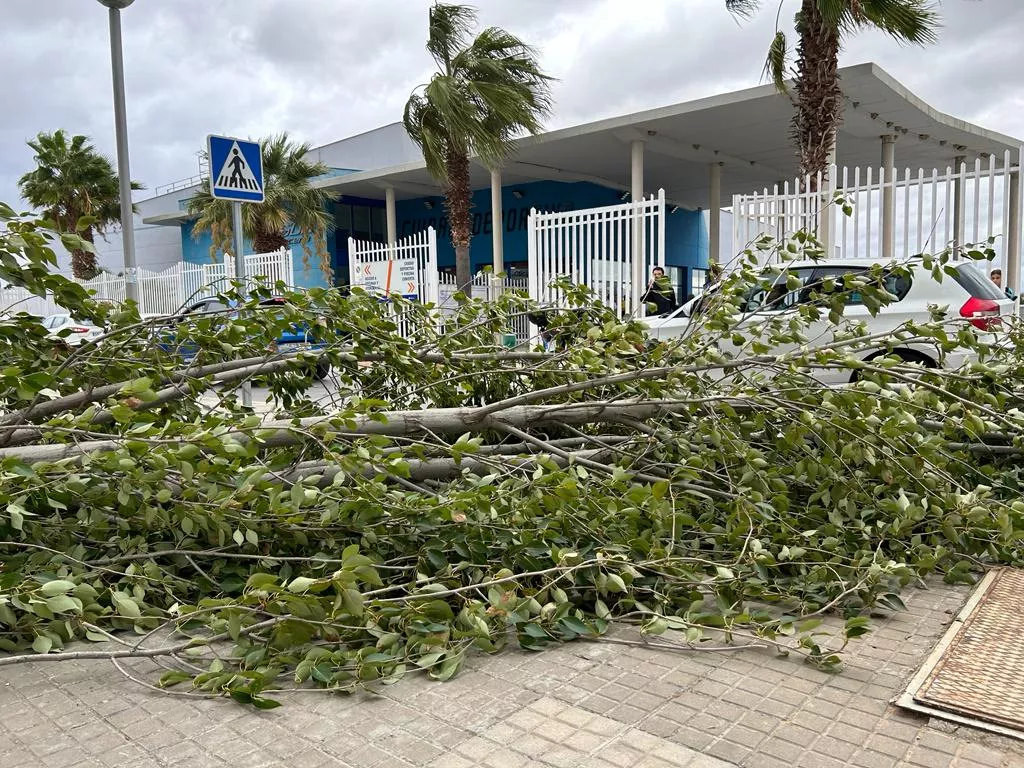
(326, 69)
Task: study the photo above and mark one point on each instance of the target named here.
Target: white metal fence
(164, 292)
(487, 287)
(929, 209)
(421, 246)
(611, 250)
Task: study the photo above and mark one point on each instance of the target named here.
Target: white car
(969, 295)
(70, 330)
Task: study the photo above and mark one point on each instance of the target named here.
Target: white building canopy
(747, 132)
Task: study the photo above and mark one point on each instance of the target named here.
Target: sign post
(236, 174)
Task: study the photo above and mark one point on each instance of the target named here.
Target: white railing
(487, 287)
(596, 247)
(164, 292)
(421, 246)
(928, 209)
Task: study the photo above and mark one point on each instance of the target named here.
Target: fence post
(352, 266)
(432, 273)
(532, 267)
(660, 258)
(289, 266)
(1013, 229)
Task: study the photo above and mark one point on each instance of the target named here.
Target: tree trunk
(459, 201)
(817, 92)
(268, 242)
(83, 263)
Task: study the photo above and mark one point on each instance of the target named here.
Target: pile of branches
(443, 495)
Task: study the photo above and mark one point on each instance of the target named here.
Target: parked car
(297, 338)
(70, 330)
(969, 295)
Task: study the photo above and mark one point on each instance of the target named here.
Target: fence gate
(611, 250)
(421, 246)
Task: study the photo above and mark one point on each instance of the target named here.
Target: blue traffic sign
(236, 169)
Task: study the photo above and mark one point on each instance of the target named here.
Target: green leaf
(301, 584)
(125, 606)
(42, 644)
(57, 587)
(64, 604)
(173, 677)
(576, 625)
(261, 702)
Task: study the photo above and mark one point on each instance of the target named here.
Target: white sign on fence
(394, 276)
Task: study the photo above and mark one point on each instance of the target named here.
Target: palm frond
(910, 21)
(744, 9)
(776, 61)
(450, 27)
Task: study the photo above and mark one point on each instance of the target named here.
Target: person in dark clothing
(659, 293)
(996, 276)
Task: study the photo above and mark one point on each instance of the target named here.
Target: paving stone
(579, 706)
(980, 755)
(868, 758)
(929, 758)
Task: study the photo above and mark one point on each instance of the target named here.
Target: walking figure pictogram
(237, 164)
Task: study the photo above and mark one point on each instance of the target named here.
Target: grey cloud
(324, 69)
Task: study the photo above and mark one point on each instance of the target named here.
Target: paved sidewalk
(592, 705)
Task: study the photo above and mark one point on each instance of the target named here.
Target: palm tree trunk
(458, 201)
(817, 93)
(268, 242)
(83, 263)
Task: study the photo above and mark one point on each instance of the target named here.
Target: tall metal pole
(239, 246)
(131, 284)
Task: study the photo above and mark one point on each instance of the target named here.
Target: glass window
(361, 221)
(377, 225)
(344, 217)
(785, 292)
(897, 285)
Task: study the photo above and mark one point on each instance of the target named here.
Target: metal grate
(980, 674)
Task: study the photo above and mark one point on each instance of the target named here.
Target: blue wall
(686, 237)
(197, 251)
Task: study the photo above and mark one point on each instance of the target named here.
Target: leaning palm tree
(821, 27)
(71, 181)
(290, 202)
(487, 92)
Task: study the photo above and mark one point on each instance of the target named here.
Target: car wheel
(910, 356)
(322, 370)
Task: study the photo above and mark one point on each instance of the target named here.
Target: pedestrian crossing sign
(236, 169)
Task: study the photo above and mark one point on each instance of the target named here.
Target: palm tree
(487, 91)
(821, 26)
(72, 180)
(290, 201)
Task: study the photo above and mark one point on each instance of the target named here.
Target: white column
(888, 197)
(958, 206)
(714, 212)
(1013, 233)
(639, 271)
(497, 223)
(389, 206)
(828, 213)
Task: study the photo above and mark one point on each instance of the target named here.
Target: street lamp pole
(131, 284)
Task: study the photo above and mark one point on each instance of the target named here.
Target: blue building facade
(686, 236)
